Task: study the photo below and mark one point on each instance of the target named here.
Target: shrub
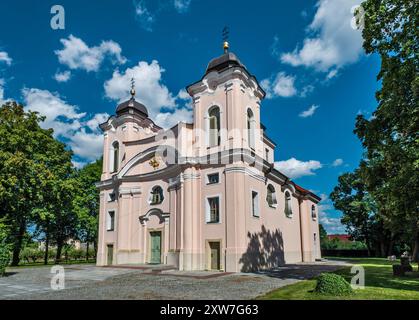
(4, 258)
(29, 254)
(333, 284)
(52, 252)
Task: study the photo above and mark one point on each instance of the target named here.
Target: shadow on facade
(264, 251)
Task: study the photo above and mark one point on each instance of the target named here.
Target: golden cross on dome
(226, 33)
(132, 91)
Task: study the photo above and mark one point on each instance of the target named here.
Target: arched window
(313, 212)
(271, 196)
(251, 128)
(114, 157)
(156, 196)
(214, 126)
(288, 209)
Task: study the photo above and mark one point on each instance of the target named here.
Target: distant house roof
(341, 237)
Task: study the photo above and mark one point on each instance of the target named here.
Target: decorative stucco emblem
(154, 162)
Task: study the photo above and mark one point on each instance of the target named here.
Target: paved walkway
(91, 282)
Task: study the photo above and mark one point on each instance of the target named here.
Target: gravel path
(112, 283)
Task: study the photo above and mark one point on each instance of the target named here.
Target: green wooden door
(155, 247)
(110, 254)
(215, 255)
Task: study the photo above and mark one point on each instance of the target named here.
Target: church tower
(227, 106)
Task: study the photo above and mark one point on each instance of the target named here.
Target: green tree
(360, 213)
(391, 136)
(323, 234)
(30, 158)
(86, 203)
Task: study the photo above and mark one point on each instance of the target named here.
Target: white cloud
(143, 15)
(81, 133)
(76, 54)
(281, 86)
(87, 145)
(294, 168)
(337, 162)
(184, 96)
(182, 6)
(332, 43)
(167, 120)
(148, 85)
(309, 112)
(4, 57)
(332, 74)
(332, 225)
(328, 219)
(97, 119)
(306, 90)
(60, 116)
(62, 76)
(78, 164)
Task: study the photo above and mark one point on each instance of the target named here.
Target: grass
(380, 284)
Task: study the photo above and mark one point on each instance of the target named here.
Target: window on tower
(251, 128)
(214, 127)
(114, 157)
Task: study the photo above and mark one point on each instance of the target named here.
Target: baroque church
(203, 195)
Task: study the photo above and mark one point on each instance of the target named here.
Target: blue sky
(304, 53)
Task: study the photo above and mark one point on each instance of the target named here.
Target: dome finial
(132, 91)
(226, 33)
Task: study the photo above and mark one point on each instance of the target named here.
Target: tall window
(214, 127)
(213, 210)
(271, 196)
(288, 210)
(313, 212)
(251, 128)
(114, 157)
(255, 204)
(110, 222)
(156, 195)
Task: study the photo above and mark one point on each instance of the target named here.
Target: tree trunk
(367, 242)
(95, 247)
(17, 246)
(390, 247)
(415, 254)
(87, 251)
(382, 248)
(59, 249)
(46, 249)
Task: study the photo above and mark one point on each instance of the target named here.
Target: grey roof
(131, 103)
(224, 61)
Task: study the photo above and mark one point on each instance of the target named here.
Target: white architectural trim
(247, 172)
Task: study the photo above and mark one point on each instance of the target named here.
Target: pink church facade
(202, 195)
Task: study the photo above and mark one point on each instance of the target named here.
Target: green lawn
(379, 284)
(51, 263)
